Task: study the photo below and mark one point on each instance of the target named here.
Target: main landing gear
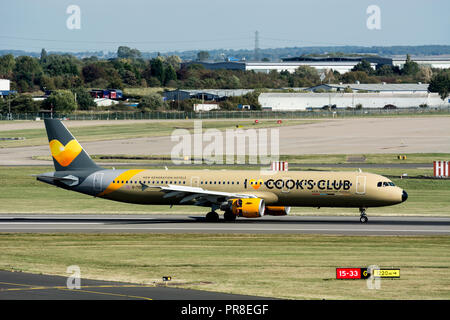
(363, 218)
(229, 216)
(214, 217)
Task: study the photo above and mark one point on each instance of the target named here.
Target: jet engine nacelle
(277, 211)
(248, 208)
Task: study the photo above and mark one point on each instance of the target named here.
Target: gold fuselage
(293, 188)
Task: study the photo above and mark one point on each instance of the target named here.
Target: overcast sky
(167, 25)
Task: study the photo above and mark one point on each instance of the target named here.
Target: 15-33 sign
(363, 273)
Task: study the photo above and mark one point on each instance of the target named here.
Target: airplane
(238, 193)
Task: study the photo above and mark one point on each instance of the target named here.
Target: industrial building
(205, 94)
(290, 66)
(306, 101)
(339, 64)
(374, 87)
(441, 62)
(5, 88)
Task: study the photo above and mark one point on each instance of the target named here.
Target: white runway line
(109, 228)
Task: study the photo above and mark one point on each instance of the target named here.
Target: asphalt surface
(174, 223)
(27, 286)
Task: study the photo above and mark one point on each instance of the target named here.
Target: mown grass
(283, 266)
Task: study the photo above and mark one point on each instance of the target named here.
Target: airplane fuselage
(294, 188)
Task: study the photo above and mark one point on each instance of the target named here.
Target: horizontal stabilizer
(69, 180)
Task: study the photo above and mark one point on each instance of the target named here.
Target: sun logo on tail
(64, 155)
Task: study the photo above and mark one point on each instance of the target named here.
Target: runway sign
(440, 169)
(386, 273)
(351, 273)
(362, 273)
(280, 166)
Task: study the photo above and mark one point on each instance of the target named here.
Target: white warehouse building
(304, 101)
(320, 66)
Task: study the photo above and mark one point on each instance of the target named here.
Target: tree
(27, 72)
(157, 69)
(169, 74)
(93, 72)
(152, 102)
(384, 70)
(441, 83)
(58, 65)
(410, 67)
(7, 64)
(202, 55)
(83, 98)
(23, 103)
(62, 101)
(43, 58)
(128, 53)
(364, 66)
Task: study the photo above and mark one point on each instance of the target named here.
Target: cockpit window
(385, 184)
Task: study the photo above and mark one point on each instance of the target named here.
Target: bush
(152, 102)
(61, 101)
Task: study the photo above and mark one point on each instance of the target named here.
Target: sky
(179, 25)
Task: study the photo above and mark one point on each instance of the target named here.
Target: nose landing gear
(363, 218)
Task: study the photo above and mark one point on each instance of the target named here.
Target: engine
(248, 208)
(277, 211)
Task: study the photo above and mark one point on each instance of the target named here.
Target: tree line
(70, 77)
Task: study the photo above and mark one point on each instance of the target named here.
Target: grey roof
(218, 92)
(382, 86)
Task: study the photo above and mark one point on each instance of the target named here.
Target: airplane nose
(404, 196)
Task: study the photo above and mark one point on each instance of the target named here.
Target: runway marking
(31, 287)
(239, 229)
(37, 223)
(107, 293)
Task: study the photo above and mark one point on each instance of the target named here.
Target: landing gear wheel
(212, 216)
(229, 216)
(363, 218)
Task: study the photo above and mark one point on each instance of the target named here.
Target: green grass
(283, 266)
(35, 137)
(21, 193)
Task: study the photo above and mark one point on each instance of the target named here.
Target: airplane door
(195, 182)
(361, 184)
(98, 178)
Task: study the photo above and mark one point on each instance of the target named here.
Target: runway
(27, 286)
(174, 223)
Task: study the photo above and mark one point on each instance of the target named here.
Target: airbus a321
(243, 193)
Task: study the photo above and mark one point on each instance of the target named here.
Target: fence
(173, 115)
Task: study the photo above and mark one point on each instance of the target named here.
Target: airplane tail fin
(67, 153)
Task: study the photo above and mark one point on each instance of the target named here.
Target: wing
(199, 196)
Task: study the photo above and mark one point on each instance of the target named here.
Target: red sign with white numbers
(348, 273)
